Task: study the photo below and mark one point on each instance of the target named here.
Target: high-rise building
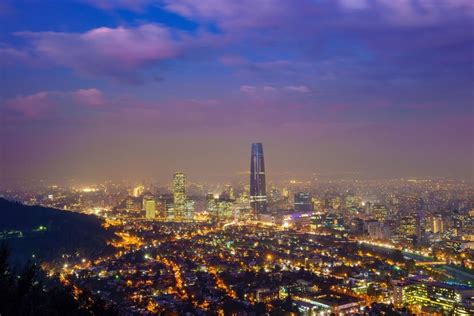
(357, 225)
(407, 230)
(379, 212)
(352, 202)
(258, 193)
(378, 230)
(149, 204)
(437, 224)
(457, 221)
(229, 192)
(179, 195)
(211, 205)
(303, 202)
(225, 209)
(167, 207)
(131, 205)
(189, 211)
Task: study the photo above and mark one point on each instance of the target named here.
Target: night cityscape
(239, 158)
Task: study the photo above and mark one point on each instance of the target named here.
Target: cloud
(306, 18)
(91, 97)
(264, 95)
(260, 91)
(233, 14)
(108, 52)
(301, 89)
(408, 13)
(230, 14)
(300, 35)
(269, 89)
(47, 104)
(133, 5)
(10, 56)
(31, 106)
(250, 90)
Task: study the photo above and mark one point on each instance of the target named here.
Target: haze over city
(97, 90)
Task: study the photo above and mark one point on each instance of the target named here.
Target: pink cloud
(112, 52)
(32, 106)
(269, 89)
(409, 12)
(233, 14)
(301, 89)
(250, 90)
(91, 97)
(44, 104)
(260, 93)
(10, 56)
(230, 14)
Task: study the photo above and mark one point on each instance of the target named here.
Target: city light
(242, 158)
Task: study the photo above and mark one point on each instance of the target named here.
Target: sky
(138, 89)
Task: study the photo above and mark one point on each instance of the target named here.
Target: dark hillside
(48, 233)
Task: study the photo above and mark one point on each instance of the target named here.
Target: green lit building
(424, 293)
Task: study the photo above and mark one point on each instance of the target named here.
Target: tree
(26, 294)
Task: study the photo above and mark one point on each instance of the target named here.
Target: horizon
(231, 176)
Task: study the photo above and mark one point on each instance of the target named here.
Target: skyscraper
(258, 193)
(437, 225)
(179, 195)
(149, 204)
(303, 202)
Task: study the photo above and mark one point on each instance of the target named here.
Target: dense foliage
(29, 292)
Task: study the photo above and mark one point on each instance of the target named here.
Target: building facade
(179, 196)
(258, 193)
(149, 205)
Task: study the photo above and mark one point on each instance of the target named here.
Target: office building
(258, 194)
(303, 202)
(149, 205)
(437, 224)
(179, 196)
(424, 293)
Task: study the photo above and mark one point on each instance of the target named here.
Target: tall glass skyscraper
(258, 192)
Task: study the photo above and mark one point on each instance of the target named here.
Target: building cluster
(181, 267)
(434, 297)
(317, 247)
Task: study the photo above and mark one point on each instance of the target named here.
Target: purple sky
(97, 89)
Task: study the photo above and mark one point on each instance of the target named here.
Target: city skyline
(373, 247)
(382, 89)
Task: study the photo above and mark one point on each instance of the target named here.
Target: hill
(48, 234)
